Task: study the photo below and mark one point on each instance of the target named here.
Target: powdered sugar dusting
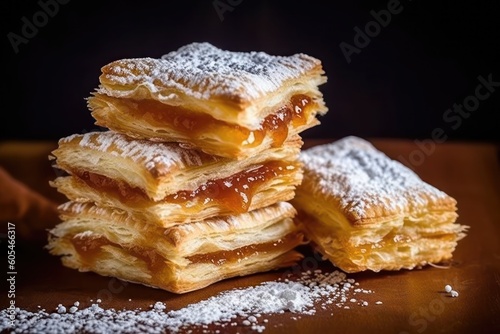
(154, 156)
(246, 307)
(203, 71)
(364, 178)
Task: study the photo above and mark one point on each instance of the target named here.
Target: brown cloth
(31, 212)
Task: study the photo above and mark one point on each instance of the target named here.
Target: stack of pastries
(190, 182)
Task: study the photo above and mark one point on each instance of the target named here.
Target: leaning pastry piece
(231, 104)
(166, 184)
(179, 259)
(365, 211)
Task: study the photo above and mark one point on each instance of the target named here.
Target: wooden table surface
(413, 301)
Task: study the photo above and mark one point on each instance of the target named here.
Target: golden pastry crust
(236, 87)
(151, 121)
(257, 187)
(365, 211)
(178, 259)
(156, 169)
(235, 108)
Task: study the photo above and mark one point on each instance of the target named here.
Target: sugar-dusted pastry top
(204, 71)
(158, 158)
(367, 184)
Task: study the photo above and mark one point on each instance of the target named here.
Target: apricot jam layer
(89, 249)
(192, 124)
(232, 194)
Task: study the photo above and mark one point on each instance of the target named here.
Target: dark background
(400, 85)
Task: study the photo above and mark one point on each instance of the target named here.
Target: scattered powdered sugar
(248, 307)
(61, 309)
(364, 178)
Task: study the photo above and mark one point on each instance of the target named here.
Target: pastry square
(253, 188)
(232, 104)
(137, 170)
(365, 211)
(181, 258)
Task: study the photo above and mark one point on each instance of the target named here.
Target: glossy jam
(191, 124)
(233, 194)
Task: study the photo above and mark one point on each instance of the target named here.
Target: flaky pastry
(178, 259)
(232, 104)
(134, 169)
(365, 211)
(256, 187)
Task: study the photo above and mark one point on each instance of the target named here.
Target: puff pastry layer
(259, 186)
(365, 211)
(232, 104)
(178, 259)
(108, 160)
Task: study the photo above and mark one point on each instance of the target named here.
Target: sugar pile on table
(246, 307)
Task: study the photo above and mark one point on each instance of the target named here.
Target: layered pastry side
(181, 258)
(365, 211)
(225, 103)
(166, 184)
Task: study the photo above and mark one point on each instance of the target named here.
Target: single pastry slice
(131, 171)
(231, 104)
(257, 186)
(179, 259)
(365, 211)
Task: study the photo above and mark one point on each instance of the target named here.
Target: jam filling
(191, 124)
(89, 248)
(233, 194)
